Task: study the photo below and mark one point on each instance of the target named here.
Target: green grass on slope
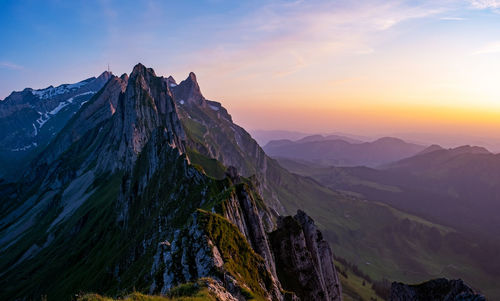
(355, 287)
(386, 242)
(239, 258)
(211, 167)
(382, 241)
(184, 292)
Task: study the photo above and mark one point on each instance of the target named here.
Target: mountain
(430, 149)
(114, 204)
(454, 188)
(369, 234)
(264, 136)
(434, 290)
(30, 119)
(152, 186)
(343, 152)
(315, 138)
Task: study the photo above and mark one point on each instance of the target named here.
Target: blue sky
(264, 57)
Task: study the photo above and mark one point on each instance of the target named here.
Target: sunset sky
(364, 67)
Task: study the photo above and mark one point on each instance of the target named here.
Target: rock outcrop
(434, 290)
(304, 260)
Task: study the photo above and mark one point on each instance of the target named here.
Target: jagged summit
(189, 91)
(141, 69)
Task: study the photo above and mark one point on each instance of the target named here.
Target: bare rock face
(434, 290)
(304, 260)
(146, 105)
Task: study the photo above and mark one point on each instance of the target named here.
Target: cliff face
(434, 290)
(304, 260)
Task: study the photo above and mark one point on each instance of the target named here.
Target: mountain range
(455, 188)
(148, 186)
(343, 151)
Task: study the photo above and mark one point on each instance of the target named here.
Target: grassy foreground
(197, 291)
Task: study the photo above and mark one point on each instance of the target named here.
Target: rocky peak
(105, 76)
(140, 69)
(189, 90)
(144, 108)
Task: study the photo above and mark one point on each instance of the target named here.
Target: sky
(421, 68)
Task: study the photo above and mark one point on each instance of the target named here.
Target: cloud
(287, 37)
(485, 4)
(10, 65)
(493, 47)
(453, 19)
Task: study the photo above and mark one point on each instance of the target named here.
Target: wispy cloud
(453, 19)
(10, 65)
(485, 4)
(493, 47)
(311, 32)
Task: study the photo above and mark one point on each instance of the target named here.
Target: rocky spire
(146, 106)
(189, 90)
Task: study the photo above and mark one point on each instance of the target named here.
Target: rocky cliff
(434, 290)
(303, 259)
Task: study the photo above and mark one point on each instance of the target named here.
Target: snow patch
(59, 107)
(181, 102)
(36, 130)
(62, 89)
(214, 108)
(172, 85)
(44, 117)
(20, 149)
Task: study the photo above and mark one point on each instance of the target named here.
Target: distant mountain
(439, 185)
(341, 151)
(264, 136)
(430, 149)
(30, 119)
(457, 188)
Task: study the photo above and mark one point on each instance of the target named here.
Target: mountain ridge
(115, 187)
(343, 152)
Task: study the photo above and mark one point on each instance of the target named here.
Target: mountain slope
(113, 204)
(462, 250)
(30, 119)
